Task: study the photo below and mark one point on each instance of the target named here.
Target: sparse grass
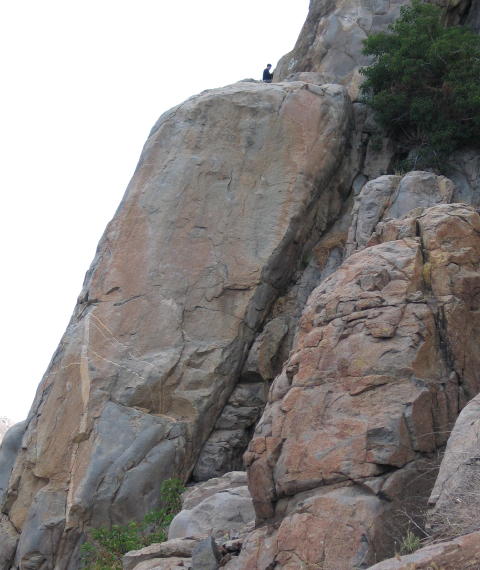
(105, 547)
(410, 543)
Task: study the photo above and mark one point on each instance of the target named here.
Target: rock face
(455, 499)
(215, 517)
(393, 197)
(329, 48)
(221, 507)
(330, 43)
(245, 200)
(229, 189)
(379, 370)
(176, 548)
(462, 553)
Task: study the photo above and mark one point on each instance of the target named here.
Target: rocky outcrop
(330, 43)
(390, 197)
(329, 48)
(174, 548)
(379, 370)
(455, 499)
(230, 188)
(221, 507)
(245, 200)
(215, 517)
(462, 553)
(224, 448)
(9, 449)
(463, 169)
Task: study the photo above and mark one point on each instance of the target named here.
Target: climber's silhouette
(267, 76)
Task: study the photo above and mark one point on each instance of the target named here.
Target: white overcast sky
(82, 83)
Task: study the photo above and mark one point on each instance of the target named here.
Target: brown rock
(228, 188)
(463, 553)
(369, 390)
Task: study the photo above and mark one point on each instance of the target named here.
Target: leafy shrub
(424, 84)
(105, 547)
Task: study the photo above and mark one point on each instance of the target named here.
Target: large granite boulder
(221, 507)
(228, 190)
(384, 358)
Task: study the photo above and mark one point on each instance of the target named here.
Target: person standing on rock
(267, 76)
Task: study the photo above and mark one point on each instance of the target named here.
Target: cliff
(265, 282)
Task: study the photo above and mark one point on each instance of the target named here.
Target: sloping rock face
(229, 189)
(384, 358)
(455, 499)
(329, 47)
(330, 43)
(462, 553)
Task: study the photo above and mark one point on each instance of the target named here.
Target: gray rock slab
(455, 498)
(8, 542)
(174, 563)
(223, 514)
(177, 547)
(206, 555)
(195, 494)
(9, 448)
(223, 452)
(394, 196)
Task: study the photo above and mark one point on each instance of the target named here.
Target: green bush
(105, 547)
(424, 84)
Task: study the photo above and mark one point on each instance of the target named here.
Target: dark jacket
(267, 76)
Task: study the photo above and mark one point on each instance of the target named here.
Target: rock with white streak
(229, 187)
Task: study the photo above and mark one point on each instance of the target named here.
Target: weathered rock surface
(228, 189)
(175, 548)
(174, 563)
(380, 367)
(8, 542)
(9, 448)
(220, 507)
(463, 553)
(224, 448)
(464, 170)
(330, 42)
(329, 47)
(206, 555)
(237, 211)
(455, 499)
(390, 197)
